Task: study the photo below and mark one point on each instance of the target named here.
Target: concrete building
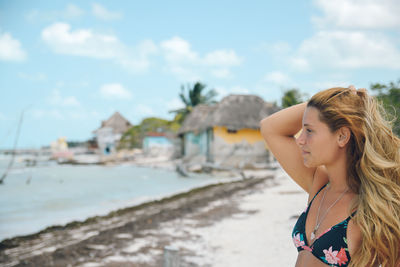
(110, 132)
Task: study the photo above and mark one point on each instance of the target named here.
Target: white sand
(259, 238)
(263, 238)
(259, 234)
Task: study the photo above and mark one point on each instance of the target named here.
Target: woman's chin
(308, 164)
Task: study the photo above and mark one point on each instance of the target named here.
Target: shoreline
(38, 223)
(118, 211)
(48, 245)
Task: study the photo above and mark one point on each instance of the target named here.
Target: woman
(348, 160)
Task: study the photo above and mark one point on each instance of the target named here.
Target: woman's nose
(300, 139)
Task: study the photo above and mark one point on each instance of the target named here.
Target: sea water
(32, 198)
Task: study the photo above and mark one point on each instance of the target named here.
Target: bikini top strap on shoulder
(316, 194)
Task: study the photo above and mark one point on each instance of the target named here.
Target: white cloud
(115, 91)
(188, 65)
(10, 48)
(102, 13)
(177, 50)
(84, 42)
(277, 77)
(350, 34)
(348, 49)
(180, 59)
(56, 99)
(358, 14)
(80, 42)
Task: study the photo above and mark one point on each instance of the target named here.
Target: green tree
(131, 138)
(193, 98)
(389, 94)
(291, 97)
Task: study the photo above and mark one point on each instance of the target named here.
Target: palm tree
(193, 98)
(291, 97)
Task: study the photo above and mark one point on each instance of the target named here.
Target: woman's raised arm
(279, 130)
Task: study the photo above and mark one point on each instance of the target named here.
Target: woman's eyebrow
(306, 124)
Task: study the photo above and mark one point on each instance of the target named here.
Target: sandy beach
(243, 223)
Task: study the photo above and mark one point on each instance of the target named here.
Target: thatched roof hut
(234, 112)
(117, 122)
(196, 119)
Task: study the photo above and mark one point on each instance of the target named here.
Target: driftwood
(180, 168)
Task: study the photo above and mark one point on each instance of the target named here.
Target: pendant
(312, 235)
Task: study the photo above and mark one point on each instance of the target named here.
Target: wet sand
(242, 223)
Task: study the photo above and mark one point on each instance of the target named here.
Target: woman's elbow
(264, 126)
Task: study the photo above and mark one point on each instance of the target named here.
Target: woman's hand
(354, 90)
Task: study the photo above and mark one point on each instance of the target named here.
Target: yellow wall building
(228, 132)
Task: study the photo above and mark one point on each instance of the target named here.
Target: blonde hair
(373, 169)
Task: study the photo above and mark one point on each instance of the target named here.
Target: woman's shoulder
(354, 237)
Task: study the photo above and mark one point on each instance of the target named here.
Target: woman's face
(318, 145)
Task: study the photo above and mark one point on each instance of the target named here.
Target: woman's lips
(304, 152)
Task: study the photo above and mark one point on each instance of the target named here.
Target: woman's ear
(343, 136)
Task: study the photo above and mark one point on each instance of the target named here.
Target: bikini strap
(316, 194)
(352, 215)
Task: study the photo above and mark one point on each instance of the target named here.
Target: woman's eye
(308, 130)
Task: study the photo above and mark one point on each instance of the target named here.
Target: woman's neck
(337, 175)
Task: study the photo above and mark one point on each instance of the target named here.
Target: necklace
(323, 217)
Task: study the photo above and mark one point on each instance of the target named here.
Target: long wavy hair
(373, 169)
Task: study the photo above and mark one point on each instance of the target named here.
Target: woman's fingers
(353, 89)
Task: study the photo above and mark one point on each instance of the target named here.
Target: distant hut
(195, 134)
(110, 132)
(227, 133)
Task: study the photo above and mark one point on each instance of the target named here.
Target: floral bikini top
(330, 247)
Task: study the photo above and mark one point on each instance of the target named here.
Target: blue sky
(71, 64)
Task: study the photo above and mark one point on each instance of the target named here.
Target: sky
(68, 65)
